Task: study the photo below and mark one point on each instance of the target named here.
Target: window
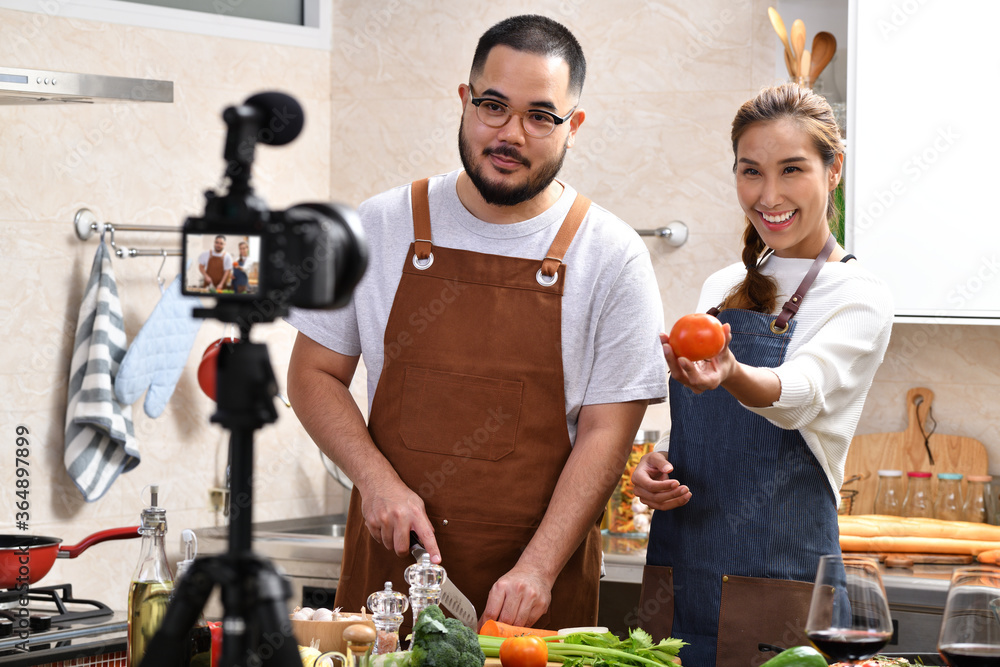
(286, 11)
(302, 23)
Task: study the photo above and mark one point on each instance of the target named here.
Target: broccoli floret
(444, 642)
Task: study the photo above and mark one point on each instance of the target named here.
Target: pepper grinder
(387, 608)
(425, 581)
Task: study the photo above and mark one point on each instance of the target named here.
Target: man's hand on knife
(392, 514)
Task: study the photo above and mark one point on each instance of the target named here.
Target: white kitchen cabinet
(923, 148)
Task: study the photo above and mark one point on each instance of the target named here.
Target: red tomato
(208, 366)
(698, 336)
(524, 651)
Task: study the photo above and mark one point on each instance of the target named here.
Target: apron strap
(780, 324)
(420, 205)
(563, 239)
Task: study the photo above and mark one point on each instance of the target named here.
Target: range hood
(35, 86)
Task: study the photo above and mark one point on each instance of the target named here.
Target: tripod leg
(273, 620)
(168, 646)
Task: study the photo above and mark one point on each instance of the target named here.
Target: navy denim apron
(761, 513)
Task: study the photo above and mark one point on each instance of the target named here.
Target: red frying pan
(24, 559)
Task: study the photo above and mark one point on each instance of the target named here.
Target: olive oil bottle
(152, 583)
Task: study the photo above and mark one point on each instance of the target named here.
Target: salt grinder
(387, 608)
(425, 581)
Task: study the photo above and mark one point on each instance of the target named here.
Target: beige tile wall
(665, 79)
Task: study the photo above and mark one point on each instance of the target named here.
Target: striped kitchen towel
(100, 442)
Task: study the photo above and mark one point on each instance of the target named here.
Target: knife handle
(416, 548)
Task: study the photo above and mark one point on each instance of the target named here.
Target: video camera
(311, 255)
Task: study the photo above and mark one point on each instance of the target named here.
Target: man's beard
(503, 195)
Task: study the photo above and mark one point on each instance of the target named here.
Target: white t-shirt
(227, 259)
(841, 334)
(611, 309)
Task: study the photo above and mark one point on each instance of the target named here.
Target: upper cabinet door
(924, 154)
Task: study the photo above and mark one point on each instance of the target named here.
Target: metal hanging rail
(675, 233)
(85, 223)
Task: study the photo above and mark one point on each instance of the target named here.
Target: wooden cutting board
(927, 559)
(905, 451)
(495, 662)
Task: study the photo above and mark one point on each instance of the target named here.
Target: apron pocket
(459, 415)
(755, 611)
(655, 614)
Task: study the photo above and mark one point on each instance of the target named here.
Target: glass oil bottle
(152, 582)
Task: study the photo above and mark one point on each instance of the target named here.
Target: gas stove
(55, 620)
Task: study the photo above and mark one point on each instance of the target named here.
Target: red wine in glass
(971, 655)
(841, 645)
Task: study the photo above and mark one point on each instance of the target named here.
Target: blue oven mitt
(157, 356)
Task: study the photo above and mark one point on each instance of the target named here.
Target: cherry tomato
(698, 336)
(524, 651)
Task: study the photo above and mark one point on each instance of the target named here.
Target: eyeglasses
(536, 122)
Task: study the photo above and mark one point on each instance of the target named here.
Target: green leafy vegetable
(394, 659)
(601, 649)
(444, 642)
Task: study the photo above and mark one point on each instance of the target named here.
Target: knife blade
(452, 599)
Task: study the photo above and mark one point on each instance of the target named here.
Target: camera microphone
(270, 118)
(281, 117)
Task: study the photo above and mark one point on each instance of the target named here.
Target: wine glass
(849, 617)
(970, 629)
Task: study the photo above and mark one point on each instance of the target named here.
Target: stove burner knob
(40, 623)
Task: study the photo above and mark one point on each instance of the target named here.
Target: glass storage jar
(919, 501)
(891, 493)
(948, 505)
(978, 496)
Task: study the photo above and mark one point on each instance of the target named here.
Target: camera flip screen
(223, 265)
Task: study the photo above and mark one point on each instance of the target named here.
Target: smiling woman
(770, 446)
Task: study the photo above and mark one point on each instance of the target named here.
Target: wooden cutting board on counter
(906, 451)
(897, 559)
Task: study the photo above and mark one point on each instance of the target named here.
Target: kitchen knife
(452, 599)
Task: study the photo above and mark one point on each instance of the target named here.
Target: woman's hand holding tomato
(706, 373)
(524, 651)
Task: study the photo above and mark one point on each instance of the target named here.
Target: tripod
(256, 630)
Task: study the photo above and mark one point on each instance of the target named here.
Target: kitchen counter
(624, 558)
(309, 552)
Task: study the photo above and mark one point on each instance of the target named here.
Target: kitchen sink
(327, 529)
(315, 539)
(308, 551)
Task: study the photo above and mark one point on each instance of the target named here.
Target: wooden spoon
(824, 48)
(790, 65)
(804, 78)
(779, 27)
(798, 39)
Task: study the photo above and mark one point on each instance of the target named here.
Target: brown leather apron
(215, 268)
(470, 411)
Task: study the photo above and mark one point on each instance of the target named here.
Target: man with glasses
(509, 329)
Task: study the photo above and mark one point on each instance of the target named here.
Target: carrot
(498, 629)
(992, 556)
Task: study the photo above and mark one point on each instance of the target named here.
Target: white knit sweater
(841, 334)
